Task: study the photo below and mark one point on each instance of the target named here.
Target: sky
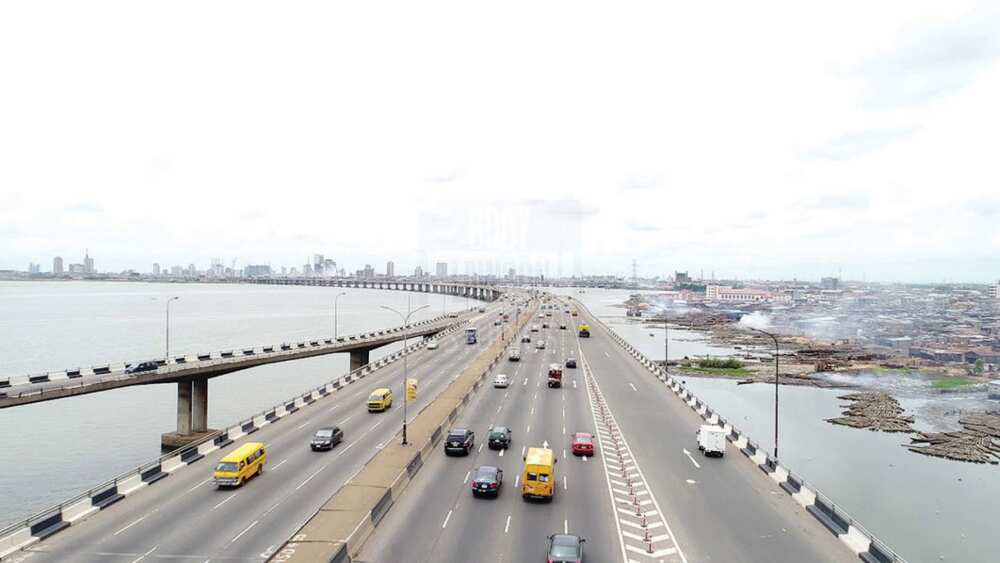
(792, 140)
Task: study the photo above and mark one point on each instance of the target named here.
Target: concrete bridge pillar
(359, 358)
(199, 405)
(184, 407)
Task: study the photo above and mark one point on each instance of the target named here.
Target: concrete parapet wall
(79, 510)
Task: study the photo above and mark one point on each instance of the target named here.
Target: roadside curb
(860, 541)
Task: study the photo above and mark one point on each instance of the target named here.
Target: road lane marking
(565, 482)
(517, 480)
(268, 511)
(309, 478)
(199, 484)
(229, 498)
(506, 527)
(129, 526)
(446, 518)
(528, 430)
(632, 386)
(467, 477)
(532, 411)
(280, 463)
(143, 556)
(245, 530)
(565, 526)
(502, 451)
(523, 449)
(303, 425)
(687, 453)
(481, 447)
(606, 354)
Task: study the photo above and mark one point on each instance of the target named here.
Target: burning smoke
(757, 320)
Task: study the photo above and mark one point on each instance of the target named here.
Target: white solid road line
(633, 387)
(309, 478)
(245, 530)
(687, 453)
(280, 463)
(501, 452)
(565, 482)
(565, 526)
(606, 354)
(517, 480)
(303, 425)
(199, 484)
(129, 526)
(143, 556)
(446, 518)
(227, 499)
(467, 477)
(506, 527)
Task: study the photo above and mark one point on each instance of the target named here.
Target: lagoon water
(925, 508)
(54, 450)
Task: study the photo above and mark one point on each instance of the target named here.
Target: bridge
(472, 291)
(646, 495)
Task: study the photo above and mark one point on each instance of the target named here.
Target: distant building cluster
(742, 295)
(995, 291)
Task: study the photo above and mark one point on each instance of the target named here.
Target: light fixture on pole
(166, 355)
(406, 326)
(775, 338)
(335, 298)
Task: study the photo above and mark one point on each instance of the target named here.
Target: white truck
(712, 440)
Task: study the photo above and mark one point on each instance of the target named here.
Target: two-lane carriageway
(185, 518)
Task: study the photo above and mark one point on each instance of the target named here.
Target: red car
(583, 444)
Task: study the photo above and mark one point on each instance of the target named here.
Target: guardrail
(862, 542)
(47, 522)
(8, 386)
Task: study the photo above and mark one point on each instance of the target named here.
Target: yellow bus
(241, 464)
(380, 399)
(539, 478)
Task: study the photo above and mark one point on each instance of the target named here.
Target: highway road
(184, 517)
(698, 509)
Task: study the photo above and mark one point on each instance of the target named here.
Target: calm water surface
(927, 509)
(56, 449)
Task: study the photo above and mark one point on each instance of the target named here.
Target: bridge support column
(184, 407)
(199, 405)
(359, 358)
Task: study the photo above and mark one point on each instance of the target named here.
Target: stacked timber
(875, 411)
(977, 442)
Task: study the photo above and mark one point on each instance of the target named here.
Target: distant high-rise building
(511, 273)
(256, 270)
(329, 267)
(441, 269)
(418, 272)
(368, 272)
(318, 264)
(176, 271)
(76, 269)
(307, 269)
(192, 271)
(682, 277)
(34, 268)
(390, 269)
(830, 283)
(88, 263)
(57, 265)
(156, 268)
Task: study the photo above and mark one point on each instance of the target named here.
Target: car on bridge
(562, 326)
(499, 438)
(501, 381)
(571, 363)
(380, 399)
(241, 464)
(432, 344)
(526, 338)
(582, 443)
(326, 438)
(488, 481)
(514, 355)
(459, 440)
(540, 345)
(545, 325)
(142, 366)
(565, 548)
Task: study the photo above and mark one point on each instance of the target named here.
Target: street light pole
(166, 355)
(406, 327)
(666, 346)
(775, 338)
(335, 298)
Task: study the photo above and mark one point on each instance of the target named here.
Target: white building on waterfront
(742, 295)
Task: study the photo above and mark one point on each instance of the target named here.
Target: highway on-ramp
(704, 510)
(185, 518)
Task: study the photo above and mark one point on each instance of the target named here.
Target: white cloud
(556, 142)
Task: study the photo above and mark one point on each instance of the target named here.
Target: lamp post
(666, 346)
(406, 325)
(167, 352)
(775, 338)
(335, 298)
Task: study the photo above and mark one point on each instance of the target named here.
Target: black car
(571, 362)
(499, 438)
(525, 338)
(488, 481)
(143, 366)
(562, 326)
(459, 440)
(326, 438)
(565, 548)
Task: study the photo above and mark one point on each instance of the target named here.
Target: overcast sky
(559, 137)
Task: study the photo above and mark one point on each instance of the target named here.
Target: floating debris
(875, 411)
(977, 442)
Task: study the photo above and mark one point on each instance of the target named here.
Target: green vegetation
(879, 370)
(717, 366)
(953, 382)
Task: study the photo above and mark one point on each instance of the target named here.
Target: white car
(432, 344)
(501, 380)
(540, 345)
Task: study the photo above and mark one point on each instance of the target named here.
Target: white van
(712, 440)
(501, 380)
